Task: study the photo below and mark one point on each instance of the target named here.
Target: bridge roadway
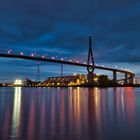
(35, 58)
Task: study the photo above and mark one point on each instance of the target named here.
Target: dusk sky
(61, 28)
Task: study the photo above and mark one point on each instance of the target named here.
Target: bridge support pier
(126, 79)
(90, 78)
(114, 77)
(131, 80)
(61, 70)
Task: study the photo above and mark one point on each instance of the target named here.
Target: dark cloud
(61, 28)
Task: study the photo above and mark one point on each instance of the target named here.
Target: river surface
(70, 113)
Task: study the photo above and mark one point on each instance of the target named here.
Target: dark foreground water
(70, 113)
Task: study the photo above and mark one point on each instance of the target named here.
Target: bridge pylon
(38, 72)
(90, 61)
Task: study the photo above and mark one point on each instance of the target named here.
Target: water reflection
(130, 106)
(69, 113)
(15, 126)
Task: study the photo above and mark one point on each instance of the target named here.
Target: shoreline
(109, 86)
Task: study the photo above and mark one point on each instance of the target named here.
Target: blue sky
(61, 28)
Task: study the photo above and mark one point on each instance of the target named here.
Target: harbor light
(18, 82)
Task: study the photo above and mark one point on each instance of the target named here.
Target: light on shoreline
(18, 82)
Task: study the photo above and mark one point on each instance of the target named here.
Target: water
(70, 113)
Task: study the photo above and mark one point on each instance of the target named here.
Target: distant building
(102, 80)
(29, 82)
(72, 80)
(6, 84)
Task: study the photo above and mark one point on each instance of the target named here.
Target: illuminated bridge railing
(45, 55)
(62, 61)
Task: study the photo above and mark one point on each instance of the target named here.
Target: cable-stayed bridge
(128, 75)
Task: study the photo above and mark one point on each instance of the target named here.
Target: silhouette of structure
(90, 61)
(38, 72)
(128, 75)
(61, 70)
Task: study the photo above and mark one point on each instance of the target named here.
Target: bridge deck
(64, 62)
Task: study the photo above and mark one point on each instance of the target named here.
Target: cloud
(61, 28)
